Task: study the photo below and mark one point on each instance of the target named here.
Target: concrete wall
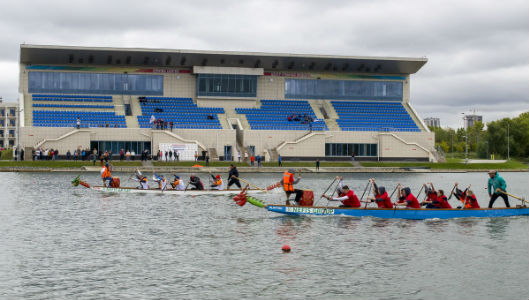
(392, 145)
(69, 138)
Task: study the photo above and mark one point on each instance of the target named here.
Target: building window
(340, 149)
(226, 85)
(95, 83)
(343, 89)
(12, 112)
(115, 146)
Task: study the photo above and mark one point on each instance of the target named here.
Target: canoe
(402, 213)
(132, 190)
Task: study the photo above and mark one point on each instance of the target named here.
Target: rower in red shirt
(345, 195)
(436, 199)
(407, 199)
(381, 197)
(470, 200)
(462, 196)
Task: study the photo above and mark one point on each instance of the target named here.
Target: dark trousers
(495, 196)
(234, 181)
(299, 194)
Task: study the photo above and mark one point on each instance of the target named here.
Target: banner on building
(185, 151)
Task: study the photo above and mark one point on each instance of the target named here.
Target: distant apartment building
(470, 120)
(8, 124)
(432, 122)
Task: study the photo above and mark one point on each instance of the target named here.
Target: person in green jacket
(496, 186)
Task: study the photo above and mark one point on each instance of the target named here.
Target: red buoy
(286, 248)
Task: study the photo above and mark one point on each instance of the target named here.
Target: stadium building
(301, 107)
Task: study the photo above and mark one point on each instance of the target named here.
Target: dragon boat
(156, 191)
(306, 209)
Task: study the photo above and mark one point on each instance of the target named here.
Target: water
(62, 242)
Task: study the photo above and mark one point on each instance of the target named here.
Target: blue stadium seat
(273, 115)
(183, 112)
(373, 116)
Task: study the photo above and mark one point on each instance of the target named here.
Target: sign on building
(185, 151)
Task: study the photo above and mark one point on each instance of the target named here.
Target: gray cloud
(477, 50)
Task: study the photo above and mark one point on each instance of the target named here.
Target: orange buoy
(286, 248)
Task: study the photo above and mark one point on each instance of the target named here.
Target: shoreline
(167, 169)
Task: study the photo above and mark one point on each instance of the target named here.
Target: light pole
(452, 144)
(508, 144)
(17, 122)
(466, 139)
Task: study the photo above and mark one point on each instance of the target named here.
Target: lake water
(63, 242)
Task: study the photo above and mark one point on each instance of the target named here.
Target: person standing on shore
(497, 188)
(317, 164)
(279, 163)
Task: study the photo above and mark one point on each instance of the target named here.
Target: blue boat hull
(412, 214)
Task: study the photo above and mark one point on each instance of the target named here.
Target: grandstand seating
(181, 111)
(76, 98)
(72, 106)
(373, 116)
(68, 118)
(51, 118)
(273, 115)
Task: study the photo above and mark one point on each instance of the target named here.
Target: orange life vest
(287, 182)
(106, 173)
(218, 182)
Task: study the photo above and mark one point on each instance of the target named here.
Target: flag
(153, 118)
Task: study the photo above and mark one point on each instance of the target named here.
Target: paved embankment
(159, 169)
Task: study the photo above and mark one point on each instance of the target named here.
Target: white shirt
(219, 187)
(181, 186)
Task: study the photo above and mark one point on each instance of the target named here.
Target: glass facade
(226, 85)
(347, 149)
(115, 146)
(343, 89)
(95, 83)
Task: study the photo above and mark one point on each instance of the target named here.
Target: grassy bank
(451, 164)
(62, 164)
(192, 163)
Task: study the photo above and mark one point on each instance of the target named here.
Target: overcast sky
(478, 51)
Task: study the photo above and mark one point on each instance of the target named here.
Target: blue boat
(400, 213)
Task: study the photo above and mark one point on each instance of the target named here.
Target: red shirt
(383, 201)
(412, 202)
(443, 202)
(352, 199)
(472, 201)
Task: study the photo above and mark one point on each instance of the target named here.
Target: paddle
(451, 193)
(332, 195)
(393, 191)
(326, 191)
(370, 188)
(252, 185)
(515, 197)
(395, 203)
(420, 191)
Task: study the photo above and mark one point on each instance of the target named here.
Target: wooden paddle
(515, 197)
(332, 195)
(326, 191)
(452, 192)
(249, 184)
(370, 189)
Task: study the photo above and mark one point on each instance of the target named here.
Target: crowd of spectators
(303, 119)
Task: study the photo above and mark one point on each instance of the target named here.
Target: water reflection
(466, 225)
(437, 225)
(496, 227)
(348, 222)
